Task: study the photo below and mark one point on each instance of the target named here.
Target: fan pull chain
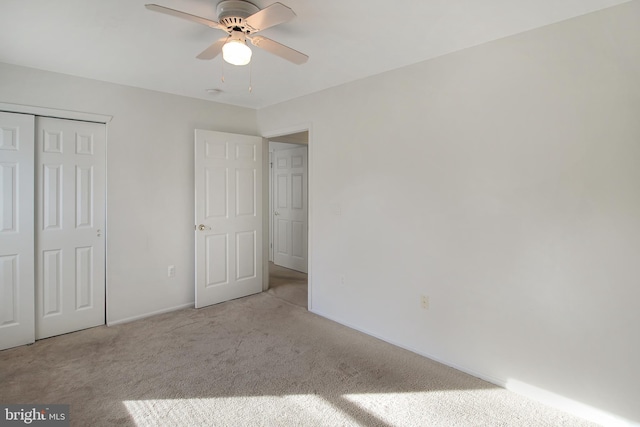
(250, 74)
(222, 70)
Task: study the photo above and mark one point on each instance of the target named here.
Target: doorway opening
(288, 218)
(289, 285)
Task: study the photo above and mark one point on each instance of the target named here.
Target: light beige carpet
(255, 361)
(289, 285)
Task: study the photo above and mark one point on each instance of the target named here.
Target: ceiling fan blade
(183, 15)
(278, 49)
(272, 15)
(213, 50)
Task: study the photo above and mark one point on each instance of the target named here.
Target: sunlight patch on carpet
(409, 409)
(241, 410)
(460, 407)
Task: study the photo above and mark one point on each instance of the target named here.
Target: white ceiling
(122, 42)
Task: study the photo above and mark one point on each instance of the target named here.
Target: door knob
(277, 213)
(203, 227)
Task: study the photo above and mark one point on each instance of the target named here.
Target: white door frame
(272, 134)
(270, 197)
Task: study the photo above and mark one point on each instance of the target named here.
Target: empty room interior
(320, 213)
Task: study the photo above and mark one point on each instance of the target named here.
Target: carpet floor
(254, 361)
(289, 285)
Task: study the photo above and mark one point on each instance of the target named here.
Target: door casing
(275, 134)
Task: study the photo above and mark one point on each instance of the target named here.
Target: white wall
(149, 178)
(502, 181)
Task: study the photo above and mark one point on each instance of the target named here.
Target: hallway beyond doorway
(288, 285)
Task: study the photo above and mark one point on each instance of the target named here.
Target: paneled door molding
(228, 216)
(70, 223)
(16, 230)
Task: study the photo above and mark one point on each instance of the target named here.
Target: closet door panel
(16, 230)
(70, 189)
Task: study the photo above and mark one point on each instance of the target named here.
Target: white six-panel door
(16, 230)
(70, 221)
(290, 208)
(228, 215)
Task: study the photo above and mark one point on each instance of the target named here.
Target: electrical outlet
(171, 271)
(424, 302)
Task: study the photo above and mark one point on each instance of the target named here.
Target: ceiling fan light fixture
(236, 51)
(241, 20)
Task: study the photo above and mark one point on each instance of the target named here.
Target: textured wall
(502, 182)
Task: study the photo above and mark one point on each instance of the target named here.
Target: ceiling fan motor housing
(232, 13)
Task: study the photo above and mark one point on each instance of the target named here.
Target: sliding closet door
(16, 230)
(70, 245)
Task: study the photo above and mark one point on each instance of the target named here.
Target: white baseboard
(567, 405)
(543, 396)
(153, 313)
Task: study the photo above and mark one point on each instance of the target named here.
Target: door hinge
(271, 165)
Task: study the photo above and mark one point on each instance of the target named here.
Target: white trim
(287, 131)
(543, 396)
(310, 146)
(270, 195)
(568, 405)
(55, 113)
(106, 227)
(153, 313)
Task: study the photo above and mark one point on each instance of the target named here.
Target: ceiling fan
(241, 20)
